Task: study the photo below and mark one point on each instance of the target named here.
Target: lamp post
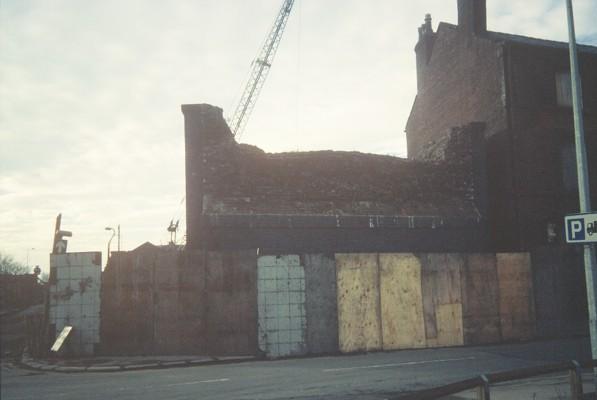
(29, 249)
(584, 192)
(109, 241)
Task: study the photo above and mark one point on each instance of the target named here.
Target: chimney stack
(472, 16)
(424, 48)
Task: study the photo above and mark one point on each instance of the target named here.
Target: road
(364, 376)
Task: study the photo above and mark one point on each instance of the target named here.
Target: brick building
(520, 88)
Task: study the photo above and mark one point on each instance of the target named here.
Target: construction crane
(259, 70)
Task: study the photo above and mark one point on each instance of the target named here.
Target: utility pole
(584, 193)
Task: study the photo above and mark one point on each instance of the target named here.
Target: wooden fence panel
(517, 313)
(359, 326)
(402, 319)
(442, 299)
(480, 299)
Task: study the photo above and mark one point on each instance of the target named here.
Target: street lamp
(28, 249)
(109, 241)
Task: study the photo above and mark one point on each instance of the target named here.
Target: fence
(482, 383)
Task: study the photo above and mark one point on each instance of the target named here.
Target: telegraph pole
(584, 193)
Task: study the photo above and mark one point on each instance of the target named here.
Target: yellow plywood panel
(359, 327)
(517, 311)
(403, 325)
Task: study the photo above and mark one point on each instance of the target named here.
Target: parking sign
(581, 228)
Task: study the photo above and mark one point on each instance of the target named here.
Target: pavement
(132, 363)
(372, 376)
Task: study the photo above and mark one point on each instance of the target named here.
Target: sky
(90, 95)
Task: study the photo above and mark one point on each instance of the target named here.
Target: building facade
(520, 88)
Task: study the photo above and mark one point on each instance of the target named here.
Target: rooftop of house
(472, 18)
(526, 40)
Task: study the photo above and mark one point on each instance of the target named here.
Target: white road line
(403, 364)
(197, 382)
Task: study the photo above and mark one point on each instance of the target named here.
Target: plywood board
(449, 321)
(480, 299)
(442, 299)
(517, 314)
(359, 326)
(402, 319)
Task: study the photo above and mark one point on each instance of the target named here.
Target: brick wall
(542, 132)
(283, 200)
(462, 82)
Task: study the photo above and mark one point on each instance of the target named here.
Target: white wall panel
(74, 299)
(281, 305)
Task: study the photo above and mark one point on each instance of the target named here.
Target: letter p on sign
(575, 230)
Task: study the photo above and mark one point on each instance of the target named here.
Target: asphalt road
(365, 376)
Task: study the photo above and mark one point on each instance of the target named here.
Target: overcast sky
(90, 95)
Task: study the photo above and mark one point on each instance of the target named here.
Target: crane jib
(260, 70)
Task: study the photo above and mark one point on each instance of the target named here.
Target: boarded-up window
(563, 89)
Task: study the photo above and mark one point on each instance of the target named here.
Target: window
(564, 89)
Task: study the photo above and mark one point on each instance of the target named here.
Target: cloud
(91, 91)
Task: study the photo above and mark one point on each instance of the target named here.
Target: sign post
(59, 246)
(583, 184)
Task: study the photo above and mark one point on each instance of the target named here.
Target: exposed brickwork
(509, 83)
(452, 93)
(225, 178)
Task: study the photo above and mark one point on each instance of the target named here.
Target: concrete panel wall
(231, 297)
(321, 303)
(517, 312)
(359, 324)
(192, 307)
(480, 299)
(75, 299)
(402, 319)
(282, 324)
(166, 308)
(159, 300)
(559, 288)
(442, 299)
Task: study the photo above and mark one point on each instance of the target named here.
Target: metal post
(483, 391)
(584, 193)
(576, 389)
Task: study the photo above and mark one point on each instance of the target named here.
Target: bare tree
(9, 266)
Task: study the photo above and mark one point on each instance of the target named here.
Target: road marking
(403, 364)
(197, 382)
